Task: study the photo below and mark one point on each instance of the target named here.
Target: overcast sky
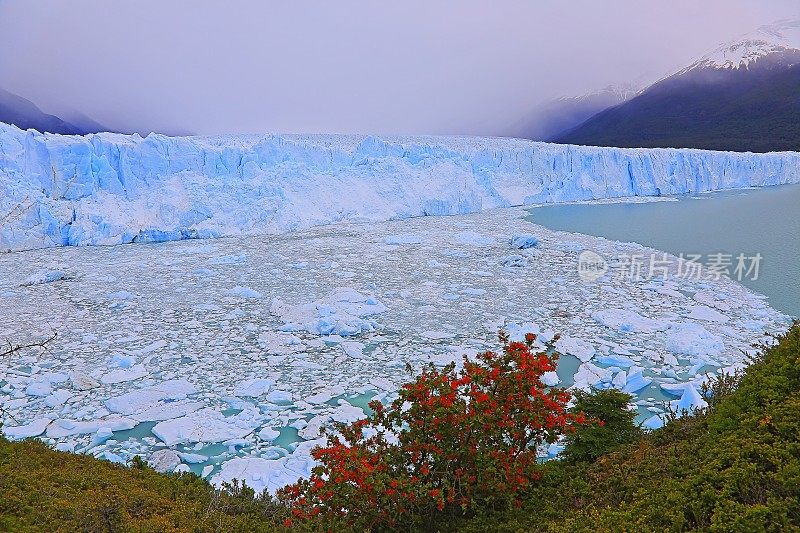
(346, 66)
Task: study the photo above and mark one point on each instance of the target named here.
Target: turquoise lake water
(762, 221)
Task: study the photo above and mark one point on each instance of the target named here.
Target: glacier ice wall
(108, 189)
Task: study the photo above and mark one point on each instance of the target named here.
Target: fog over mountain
(351, 66)
(742, 95)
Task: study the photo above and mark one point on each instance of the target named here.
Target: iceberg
(344, 312)
(59, 190)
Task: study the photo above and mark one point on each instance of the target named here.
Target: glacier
(58, 190)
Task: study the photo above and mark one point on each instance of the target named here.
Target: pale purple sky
(463, 66)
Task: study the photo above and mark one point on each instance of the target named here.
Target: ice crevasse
(109, 189)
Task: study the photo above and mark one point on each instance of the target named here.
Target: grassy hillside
(734, 468)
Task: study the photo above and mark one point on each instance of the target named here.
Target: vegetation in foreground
(733, 467)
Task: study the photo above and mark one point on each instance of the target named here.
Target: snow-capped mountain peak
(783, 36)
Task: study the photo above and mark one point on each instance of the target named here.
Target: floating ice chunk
(311, 365)
(39, 388)
(269, 434)
(65, 428)
(83, 382)
(550, 379)
(100, 436)
(252, 388)
(243, 292)
(232, 444)
(279, 343)
(710, 300)
(459, 254)
(554, 449)
(347, 413)
(122, 360)
(228, 259)
(300, 423)
(193, 458)
(620, 379)
(589, 375)
(703, 312)
(474, 239)
(524, 241)
(164, 461)
(344, 413)
(121, 375)
(636, 381)
(517, 332)
(279, 396)
(32, 429)
(44, 276)
(654, 422)
(324, 396)
(112, 457)
(675, 389)
(571, 246)
(54, 377)
(628, 321)
(403, 238)
(152, 347)
(692, 339)
(207, 425)
(265, 474)
(206, 471)
(580, 348)
(58, 398)
(514, 261)
(342, 312)
(167, 410)
(437, 335)
(670, 360)
(66, 446)
(621, 361)
(353, 349)
(690, 400)
(141, 399)
(120, 295)
(473, 292)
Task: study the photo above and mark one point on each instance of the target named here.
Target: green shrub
(616, 425)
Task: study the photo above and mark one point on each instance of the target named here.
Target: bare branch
(16, 348)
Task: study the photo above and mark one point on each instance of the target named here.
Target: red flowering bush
(454, 440)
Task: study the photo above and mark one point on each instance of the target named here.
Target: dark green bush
(617, 425)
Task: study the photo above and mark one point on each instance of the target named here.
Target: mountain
(556, 116)
(742, 96)
(25, 115)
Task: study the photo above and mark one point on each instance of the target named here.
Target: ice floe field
(228, 357)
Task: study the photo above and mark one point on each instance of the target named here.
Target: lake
(762, 221)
